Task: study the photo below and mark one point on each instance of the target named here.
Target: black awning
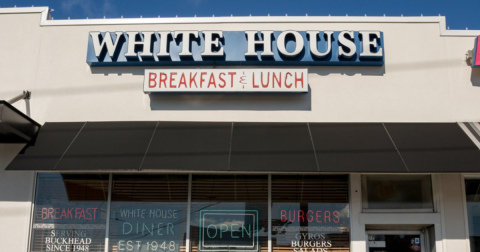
(50, 145)
(434, 147)
(251, 147)
(15, 126)
(272, 147)
(355, 147)
(200, 146)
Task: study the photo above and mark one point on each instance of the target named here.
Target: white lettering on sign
(226, 80)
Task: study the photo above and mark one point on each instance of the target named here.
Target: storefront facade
(259, 134)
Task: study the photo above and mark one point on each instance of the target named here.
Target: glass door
(395, 241)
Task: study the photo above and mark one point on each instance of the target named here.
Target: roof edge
(44, 10)
(45, 21)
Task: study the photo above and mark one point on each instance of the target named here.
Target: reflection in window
(70, 212)
(397, 192)
(229, 213)
(472, 189)
(148, 213)
(310, 213)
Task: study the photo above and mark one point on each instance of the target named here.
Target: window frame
(463, 178)
(363, 194)
(424, 244)
(188, 222)
(34, 198)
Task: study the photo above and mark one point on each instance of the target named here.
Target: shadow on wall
(238, 101)
(348, 70)
(119, 70)
(320, 70)
(14, 186)
(475, 77)
(232, 101)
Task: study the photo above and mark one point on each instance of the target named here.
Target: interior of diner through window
(148, 213)
(405, 192)
(310, 213)
(70, 212)
(472, 189)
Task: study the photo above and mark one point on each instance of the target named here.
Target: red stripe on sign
(477, 56)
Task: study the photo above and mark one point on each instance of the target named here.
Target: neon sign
(228, 230)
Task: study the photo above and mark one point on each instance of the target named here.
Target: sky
(460, 14)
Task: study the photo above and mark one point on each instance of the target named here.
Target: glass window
(148, 213)
(472, 189)
(70, 212)
(310, 213)
(405, 242)
(397, 192)
(229, 213)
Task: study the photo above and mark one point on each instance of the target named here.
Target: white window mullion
(188, 212)
(109, 200)
(270, 249)
(32, 212)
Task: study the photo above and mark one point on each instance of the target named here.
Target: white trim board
(441, 20)
(400, 218)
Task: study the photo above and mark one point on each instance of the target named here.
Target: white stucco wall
(453, 213)
(18, 72)
(20, 54)
(425, 79)
(414, 85)
(16, 190)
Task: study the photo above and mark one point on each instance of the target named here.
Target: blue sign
(273, 48)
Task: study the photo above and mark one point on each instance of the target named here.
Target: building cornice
(46, 21)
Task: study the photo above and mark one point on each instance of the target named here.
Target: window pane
(397, 192)
(310, 213)
(229, 213)
(148, 213)
(70, 212)
(472, 189)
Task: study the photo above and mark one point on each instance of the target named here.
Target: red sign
(226, 80)
(69, 213)
(309, 216)
(476, 55)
